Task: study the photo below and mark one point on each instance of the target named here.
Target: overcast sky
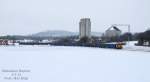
(31, 16)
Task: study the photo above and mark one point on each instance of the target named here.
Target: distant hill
(60, 33)
(97, 34)
(55, 33)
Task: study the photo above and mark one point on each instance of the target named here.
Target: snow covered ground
(73, 64)
(131, 47)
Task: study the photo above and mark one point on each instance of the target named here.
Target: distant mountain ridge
(60, 33)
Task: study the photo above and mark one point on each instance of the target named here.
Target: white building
(85, 28)
(113, 32)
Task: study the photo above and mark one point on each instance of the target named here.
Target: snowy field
(73, 64)
(131, 47)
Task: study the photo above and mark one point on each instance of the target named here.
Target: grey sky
(31, 16)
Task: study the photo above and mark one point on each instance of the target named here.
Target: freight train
(105, 45)
(97, 44)
(114, 46)
(74, 43)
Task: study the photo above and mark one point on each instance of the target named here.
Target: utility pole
(129, 33)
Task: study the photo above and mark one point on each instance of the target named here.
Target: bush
(84, 40)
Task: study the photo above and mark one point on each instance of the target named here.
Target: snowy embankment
(76, 64)
(131, 47)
